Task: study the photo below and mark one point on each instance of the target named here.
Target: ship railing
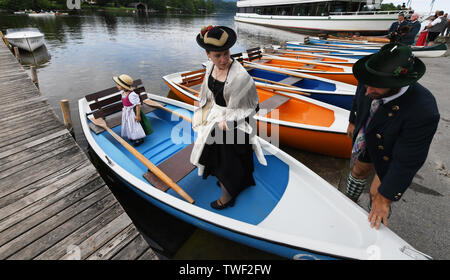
(371, 13)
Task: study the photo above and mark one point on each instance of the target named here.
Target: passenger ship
(318, 16)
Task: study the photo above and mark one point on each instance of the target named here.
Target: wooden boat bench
(272, 103)
(291, 80)
(176, 167)
(108, 102)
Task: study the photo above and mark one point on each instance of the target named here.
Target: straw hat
(394, 66)
(124, 81)
(216, 38)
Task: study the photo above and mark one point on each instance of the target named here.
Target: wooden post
(5, 40)
(16, 53)
(34, 76)
(65, 106)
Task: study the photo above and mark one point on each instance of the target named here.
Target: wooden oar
(101, 122)
(187, 88)
(153, 103)
(272, 82)
(279, 90)
(254, 65)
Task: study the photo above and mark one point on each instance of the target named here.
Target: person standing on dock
(415, 26)
(392, 122)
(226, 129)
(395, 31)
(135, 125)
(436, 27)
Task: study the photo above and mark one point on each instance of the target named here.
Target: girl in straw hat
(135, 125)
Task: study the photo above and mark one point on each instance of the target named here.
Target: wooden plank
(69, 191)
(133, 250)
(77, 237)
(272, 103)
(20, 136)
(32, 153)
(38, 141)
(150, 255)
(85, 174)
(17, 181)
(32, 138)
(90, 245)
(108, 91)
(57, 234)
(290, 80)
(12, 243)
(115, 244)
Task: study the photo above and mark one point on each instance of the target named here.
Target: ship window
(284, 10)
(258, 10)
(249, 10)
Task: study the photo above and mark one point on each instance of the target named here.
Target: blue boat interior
(305, 83)
(252, 206)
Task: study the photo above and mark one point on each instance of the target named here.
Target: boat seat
(193, 77)
(272, 103)
(176, 167)
(308, 66)
(290, 80)
(107, 104)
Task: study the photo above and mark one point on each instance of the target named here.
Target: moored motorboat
(42, 14)
(290, 211)
(28, 39)
(301, 122)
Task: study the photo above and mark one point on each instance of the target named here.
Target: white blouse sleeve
(134, 98)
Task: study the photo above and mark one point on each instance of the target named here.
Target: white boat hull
(26, 40)
(311, 213)
(364, 24)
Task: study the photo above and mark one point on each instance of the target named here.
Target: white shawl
(241, 99)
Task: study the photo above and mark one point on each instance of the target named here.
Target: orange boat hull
(321, 142)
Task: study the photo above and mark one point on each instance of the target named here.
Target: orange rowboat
(291, 119)
(328, 71)
(315, 58)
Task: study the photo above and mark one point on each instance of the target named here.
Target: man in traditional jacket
(392, 122)
(414, 24)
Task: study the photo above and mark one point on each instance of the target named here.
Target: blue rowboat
(328, 91)
(291, 211)
(327, 51)
(330, 46)
(344, 43)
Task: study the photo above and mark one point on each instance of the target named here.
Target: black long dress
(232, 163)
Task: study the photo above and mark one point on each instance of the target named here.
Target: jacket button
(385, 158)
(380, 147)
(395, 108)
(378, 136)
(390, 114)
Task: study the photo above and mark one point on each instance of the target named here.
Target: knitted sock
(355, 187)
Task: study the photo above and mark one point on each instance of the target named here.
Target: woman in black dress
(228, 100)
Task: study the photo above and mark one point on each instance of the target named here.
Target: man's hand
(380, 211)
(350, 129)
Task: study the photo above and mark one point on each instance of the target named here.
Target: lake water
(82, 52)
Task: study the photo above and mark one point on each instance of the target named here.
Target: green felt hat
(393, 66)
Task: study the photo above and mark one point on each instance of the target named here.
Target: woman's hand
(350, 129)
(223, 125)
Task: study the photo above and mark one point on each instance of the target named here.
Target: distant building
(141, 7)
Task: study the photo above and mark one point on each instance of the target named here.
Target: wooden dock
(53, 203)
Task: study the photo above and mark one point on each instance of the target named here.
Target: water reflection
(39, 57)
